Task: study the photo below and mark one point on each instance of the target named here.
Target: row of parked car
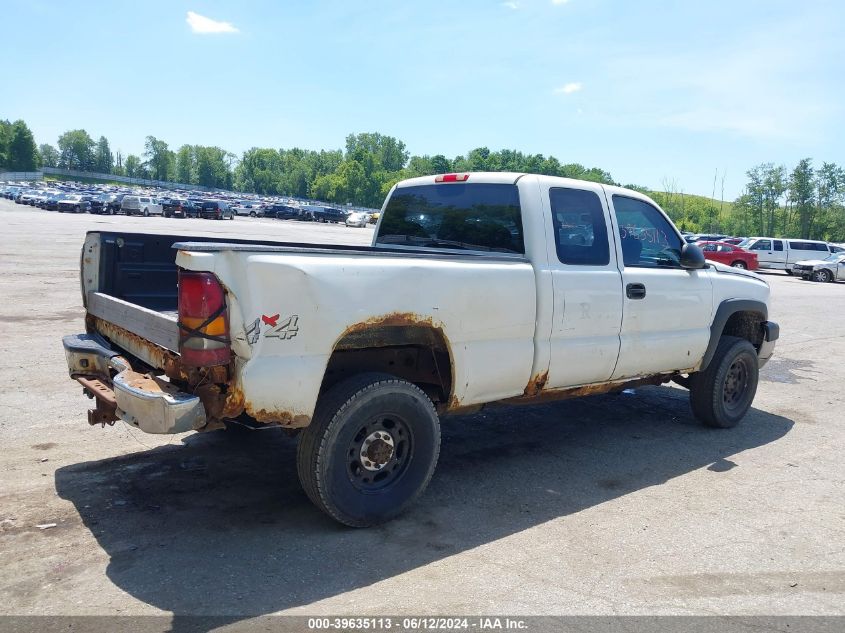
(70, 198)
(808, 259)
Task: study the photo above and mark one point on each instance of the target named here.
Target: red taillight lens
(203, 320)
(451, 178)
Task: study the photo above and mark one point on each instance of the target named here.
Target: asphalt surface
(617, 504)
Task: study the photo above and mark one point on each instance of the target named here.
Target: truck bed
(140, 268)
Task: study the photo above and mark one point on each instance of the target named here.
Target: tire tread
(313, 447)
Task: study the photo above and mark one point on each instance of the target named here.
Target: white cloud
(201, 24)
(511, 5)
(568, 89)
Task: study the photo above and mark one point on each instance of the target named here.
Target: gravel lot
(607, 505)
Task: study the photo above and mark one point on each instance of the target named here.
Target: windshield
(460, 215)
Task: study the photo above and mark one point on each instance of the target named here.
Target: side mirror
(692, 257)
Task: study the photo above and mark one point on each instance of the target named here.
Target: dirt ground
(618, 504)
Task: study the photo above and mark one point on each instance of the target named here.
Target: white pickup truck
(478, 288)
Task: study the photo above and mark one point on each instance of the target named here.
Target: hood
(730, 270)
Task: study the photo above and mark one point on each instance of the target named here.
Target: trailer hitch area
(106, 409)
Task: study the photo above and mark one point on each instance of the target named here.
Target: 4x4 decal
(285, 329)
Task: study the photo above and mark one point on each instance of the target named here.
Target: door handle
(635, 291)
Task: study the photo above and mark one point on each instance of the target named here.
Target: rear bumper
(147, 402)
(771, 333)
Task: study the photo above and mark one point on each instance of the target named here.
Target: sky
(660, 94)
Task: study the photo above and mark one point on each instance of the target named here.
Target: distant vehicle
(704, 237)
(836, 248)
(728, 254)
(831, 268)
(191, 208)
(329, 214)
(733, 240)
(374, 217)
(216, 210)
(141, 205)
(114, 205)
(74, 203)
(280, 212)
(358, 218)
(781, 254)
(52, 203)
(173, 208)
(99, 204)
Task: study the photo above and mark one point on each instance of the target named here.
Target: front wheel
(370, 449)
(146, 213)
(721, 395)
(822, 276)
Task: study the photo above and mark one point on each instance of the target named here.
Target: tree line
(805, 201)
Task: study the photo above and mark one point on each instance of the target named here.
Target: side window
(725, 249)
(797, 246)
(821, 247)
(709, 248)
(580, 228)
(762, 245)
(778, 245)
(646, 236)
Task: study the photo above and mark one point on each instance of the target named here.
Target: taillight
(451, 178)
(203, 320)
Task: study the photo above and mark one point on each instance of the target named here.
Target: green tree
(22, 152)
(49, 155)
(186, 165)
(260, 171)
(214, 167)
(387, 152)
(76, 150)
(160, 159)
(802, 194)
(5, 139)
(132, 166)
(103, 158)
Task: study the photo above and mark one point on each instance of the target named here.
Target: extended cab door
(587, 285)
(770, 253)
(667, 309)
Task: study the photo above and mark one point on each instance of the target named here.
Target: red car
(729, 254)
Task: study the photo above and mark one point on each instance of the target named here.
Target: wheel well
(418, 354)
(747, 325)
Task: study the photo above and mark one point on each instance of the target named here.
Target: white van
(776, 253)
(141, 205)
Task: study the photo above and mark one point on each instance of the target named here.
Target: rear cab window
(580, 228)
(463, 216)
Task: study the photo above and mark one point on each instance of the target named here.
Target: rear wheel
(739, 264)
(822, 275)
(788, 272)
(370, 450)
(721, 395)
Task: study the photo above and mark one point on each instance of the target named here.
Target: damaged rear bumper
(148, 402)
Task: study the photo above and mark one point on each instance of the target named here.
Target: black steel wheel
(721, 395)
(370, 450)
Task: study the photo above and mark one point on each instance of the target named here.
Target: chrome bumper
(147, 402)
(771, 333)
